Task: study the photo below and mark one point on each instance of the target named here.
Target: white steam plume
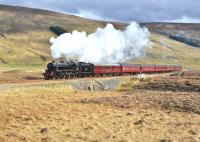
(106, 45)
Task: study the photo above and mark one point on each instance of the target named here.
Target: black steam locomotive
(67, 70)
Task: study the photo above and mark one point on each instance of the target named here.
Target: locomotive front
(68, 70)
(49, 72)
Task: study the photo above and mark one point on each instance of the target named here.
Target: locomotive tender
(65, 70)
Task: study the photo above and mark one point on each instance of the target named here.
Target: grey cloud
(122, 10)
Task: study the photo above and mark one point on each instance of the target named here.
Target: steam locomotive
(67, 70)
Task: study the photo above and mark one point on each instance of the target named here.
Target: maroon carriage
(160, 68)
(130, 69)
(147, 68)
(170, 68)
(100, 70)
(177, 68)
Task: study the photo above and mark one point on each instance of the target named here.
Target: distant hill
(25, 34)
(188, 33)
(22, 19)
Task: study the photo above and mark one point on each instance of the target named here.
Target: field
(162, 108)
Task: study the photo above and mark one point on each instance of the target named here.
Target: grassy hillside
(185, 32)
(188, 30)
(166, 51)
(25, 34)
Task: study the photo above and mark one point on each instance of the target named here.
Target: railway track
(108, 82)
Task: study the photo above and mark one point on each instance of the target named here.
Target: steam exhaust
(106, 45)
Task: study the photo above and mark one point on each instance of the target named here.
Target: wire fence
(107, 84)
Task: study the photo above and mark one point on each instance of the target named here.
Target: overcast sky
(122, 10)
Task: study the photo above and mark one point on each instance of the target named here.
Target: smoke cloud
(106, 45)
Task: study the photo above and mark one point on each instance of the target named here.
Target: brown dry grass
(62, 114)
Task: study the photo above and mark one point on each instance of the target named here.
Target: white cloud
(185, 19)
(92, 15)
(89, 15)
